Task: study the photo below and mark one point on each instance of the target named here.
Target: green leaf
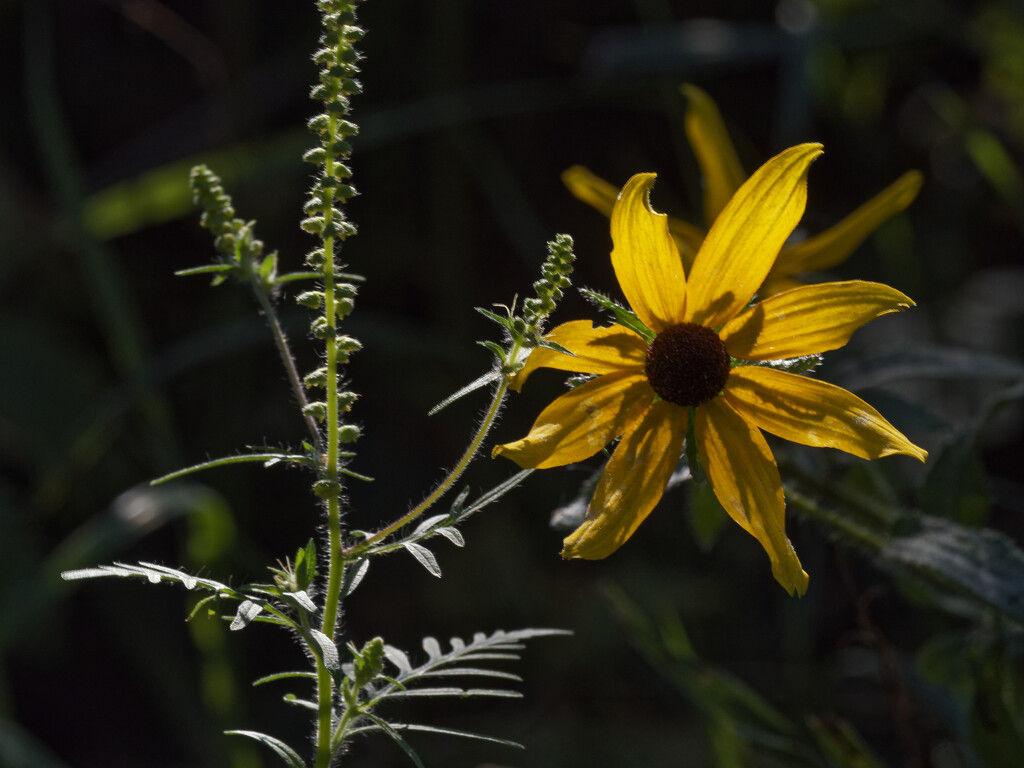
(268, 267)
(504, 322)
(622, 316)
(387, 728)
(328, 650)
(474, 385)
(354, 573)
(247, 611)
(290, 756)
(303, 600)
(269, 458)
(305, 565)
(983, 565)
(926, 362)
(285, 676)
(424, 557)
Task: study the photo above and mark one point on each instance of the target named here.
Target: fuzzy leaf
(474, 385)
(328, 650)
(303, 600)
(432, 647)
(399, 659)
(387, 728)
(286, 753)
(452, 534)
(247, 611)
(305, 565)
(622, 316)
(285, 676)
(354, 573)
(425, 558)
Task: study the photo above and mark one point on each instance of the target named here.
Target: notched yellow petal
(746, 237)
(632, 483)
(745, 478)
(808, 320)
(645, 258)
(594, 350)
(826, 249)
(719, 165)
(816, 413)
(581, 422)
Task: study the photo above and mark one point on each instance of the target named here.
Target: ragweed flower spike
(701, 360)
(722, 175)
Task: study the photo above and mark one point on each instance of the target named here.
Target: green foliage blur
(686, 653)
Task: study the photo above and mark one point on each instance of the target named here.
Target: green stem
(449, 481)
(285, 353)
(332, 598)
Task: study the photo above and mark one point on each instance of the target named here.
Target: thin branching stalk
(474, 447)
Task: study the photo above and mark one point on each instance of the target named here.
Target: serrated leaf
(328, 650)
(425, 558)
(453, 535)
(621, 314)
(282, 750)
(247, 611)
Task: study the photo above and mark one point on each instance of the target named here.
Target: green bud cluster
(325, 219)
(549, 289)
(233, 238)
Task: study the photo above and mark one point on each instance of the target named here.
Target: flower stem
(449, 481)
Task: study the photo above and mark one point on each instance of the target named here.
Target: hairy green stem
(450, 480)
(285, 353)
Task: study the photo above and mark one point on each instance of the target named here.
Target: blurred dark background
(114, 371)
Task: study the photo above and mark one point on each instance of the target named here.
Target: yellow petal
(825, 250)
(581, 422)
(719, 165)
(746, 237)
(777, 284)
(632, 482)
(598, 193)
(808, 320)
(746, 481)
(813, 412)
(645, 257)
(688, 240)
(596, 350)
(590, 188)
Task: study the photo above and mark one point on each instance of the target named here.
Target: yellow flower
(723, 175)
(699, 362)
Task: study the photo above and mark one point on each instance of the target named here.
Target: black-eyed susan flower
(700, 360)
(722, 175)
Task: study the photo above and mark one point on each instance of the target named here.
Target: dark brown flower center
(687, 364)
